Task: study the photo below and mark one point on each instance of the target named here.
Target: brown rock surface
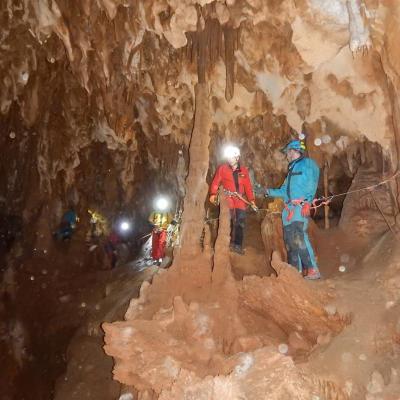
(254, 375)
(97, 105)
(187, 342)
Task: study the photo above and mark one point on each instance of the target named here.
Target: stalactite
(212, 26)
(140, 66)
(202, 57)
(362, 152)
(359, 33)
(220, 42)
(229, 39)
(207, 45)
(194, 48)
(237, 38)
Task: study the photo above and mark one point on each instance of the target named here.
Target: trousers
(158, 243)
(238, 223)
(298, 246)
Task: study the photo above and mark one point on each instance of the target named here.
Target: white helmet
(231, 151)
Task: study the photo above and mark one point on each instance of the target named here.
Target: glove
(214, 199)
(259, 191)
(306, 209)
(253, 206)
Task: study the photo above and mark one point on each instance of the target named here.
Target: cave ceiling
(122, 73)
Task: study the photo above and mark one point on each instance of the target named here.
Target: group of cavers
(164, 232)
(297, 192)
(99, 232)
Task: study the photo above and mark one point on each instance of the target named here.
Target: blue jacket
(300, 183)
(70, 218)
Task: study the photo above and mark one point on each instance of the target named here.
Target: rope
(145, 236)
(240, 197)
(325, 200)
(260, 209)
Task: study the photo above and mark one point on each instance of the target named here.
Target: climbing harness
(326, 200)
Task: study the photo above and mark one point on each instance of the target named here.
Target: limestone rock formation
(184, 349)
(98, 100)
(253, 375)
(133, 65)
(368, 213)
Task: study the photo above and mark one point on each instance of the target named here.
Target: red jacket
(224, 176)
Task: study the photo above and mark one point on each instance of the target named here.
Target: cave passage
(159, 163)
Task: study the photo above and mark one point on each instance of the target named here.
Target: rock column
(196, 188)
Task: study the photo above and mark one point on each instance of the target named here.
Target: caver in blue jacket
(300, 184)
(67, 225)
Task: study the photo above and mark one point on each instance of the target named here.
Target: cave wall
(122, 74)
(97, 102)
(97, 98)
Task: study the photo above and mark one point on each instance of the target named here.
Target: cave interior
(107, 105)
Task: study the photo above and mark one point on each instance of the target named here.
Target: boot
(237, 249)
(312, 274)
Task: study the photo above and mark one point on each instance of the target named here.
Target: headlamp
(161, 203)
(124, 226)
(231, 151)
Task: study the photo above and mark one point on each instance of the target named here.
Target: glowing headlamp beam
(125, 226)
(162, 203)
(231, 151)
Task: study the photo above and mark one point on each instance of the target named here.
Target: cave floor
(70, 314)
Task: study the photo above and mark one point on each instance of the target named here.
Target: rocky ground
(360, 362)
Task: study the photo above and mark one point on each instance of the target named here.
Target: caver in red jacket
(225, 176)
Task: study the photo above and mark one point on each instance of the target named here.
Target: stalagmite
(326, 207)
(222, 266)
(289, 292)
(196, 185)
(272, 232)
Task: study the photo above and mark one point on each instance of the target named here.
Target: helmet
(231, 151)
(295, 145)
